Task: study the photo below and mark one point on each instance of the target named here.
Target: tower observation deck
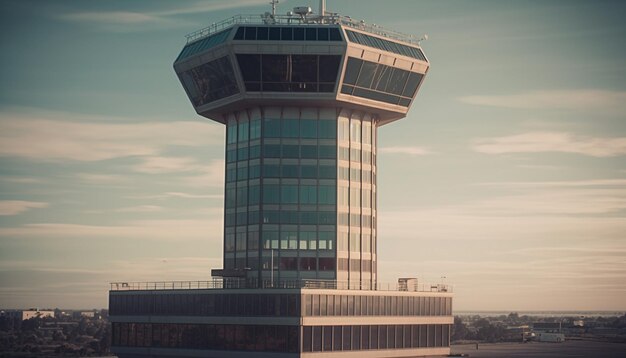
(302, 97)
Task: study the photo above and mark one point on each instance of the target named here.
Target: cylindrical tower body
(301, 192)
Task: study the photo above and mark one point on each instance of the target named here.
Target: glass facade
(288, 33)
(262, 338)
(279, 338)
(209, 82)
(206, 305)
(300, 184)
(366, 337)
(378, 305)
(385, 45)
(380, 82)
(289, 73)
(203, 44)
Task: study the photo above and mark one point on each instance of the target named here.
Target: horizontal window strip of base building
(369, 337)
(263, 338)
(358, 305)
(236, 305)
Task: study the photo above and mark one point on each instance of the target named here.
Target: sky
(507, 179)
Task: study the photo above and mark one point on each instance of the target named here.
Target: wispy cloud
(20, 180)
(141, 209)
(110, 19)
(38, 137)
(210, 176)
(604, 101)
(93, 178)
(408, 150)
(161, 165)
(193, 196)
(175, 230)
(15, 207)
(558, 142)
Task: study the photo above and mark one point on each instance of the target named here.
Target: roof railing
(269, 19)
(241, 283)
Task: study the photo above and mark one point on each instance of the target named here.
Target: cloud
(193, 196)
(165, 230)
(141, 209)
(125, 18)
(557, 142)
(20, 180)
(92, 178)
(613, 102)
(42, 137)
(405, 150)
(210, 176)
(15, 207)
(112, 17)
(161, 165)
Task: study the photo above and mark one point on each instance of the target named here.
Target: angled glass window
(385, 45)
(203, 44)
(210, 81)
(352, 70)
(380, 82)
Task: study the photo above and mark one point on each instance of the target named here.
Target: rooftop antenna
(273, 3)
(322, 8)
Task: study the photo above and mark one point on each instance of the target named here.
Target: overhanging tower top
(301, 59)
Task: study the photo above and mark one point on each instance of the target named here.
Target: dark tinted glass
(311, 34)
(386, 45)
(322, 34)
(286, 34)
(352, 70)
(334, 34)
(240, 33)
(275, 68)
(397, 82)
(262, 33)
(250, 33)
(380, 82)
(367, 74)
(412, 84)
(304, 68)
(329, 66)
(298, 34)
(289, 73)
(210, 82)
(203, 44)
(274, 33)
(250, 66)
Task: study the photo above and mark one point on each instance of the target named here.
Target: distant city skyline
(509, 178)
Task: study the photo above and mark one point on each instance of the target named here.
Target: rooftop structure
(302, 96)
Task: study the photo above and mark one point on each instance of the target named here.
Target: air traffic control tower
(302, 97)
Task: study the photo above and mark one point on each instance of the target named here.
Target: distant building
(302, 97)
(30, 313)
(547, 327)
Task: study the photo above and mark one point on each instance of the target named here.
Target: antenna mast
(322, 8)
(273, 3)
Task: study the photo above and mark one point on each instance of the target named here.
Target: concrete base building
(189, 320)
(302, 97)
